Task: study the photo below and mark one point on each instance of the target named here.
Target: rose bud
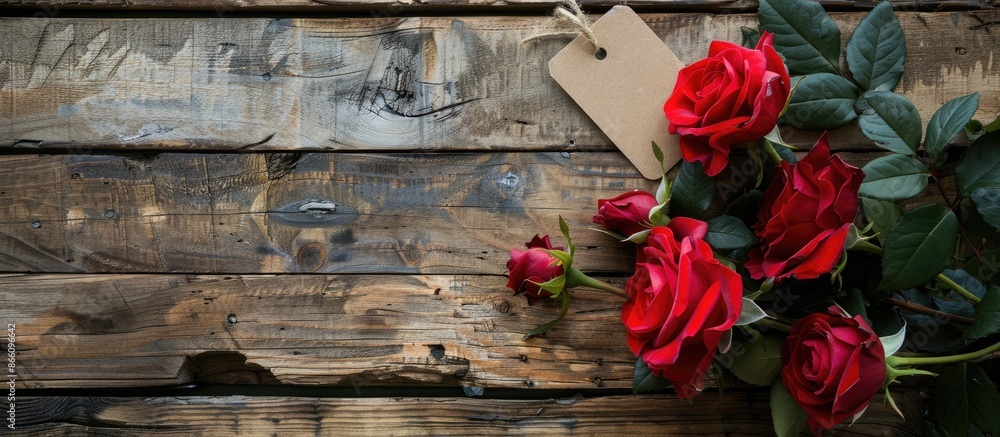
(832, 366)
(626, 214)
(681, 302)
(733, 96)
(805, 216)
(531, 267)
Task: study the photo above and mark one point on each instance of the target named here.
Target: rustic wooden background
(314, 213)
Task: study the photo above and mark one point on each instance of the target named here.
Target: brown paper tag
(624, 93)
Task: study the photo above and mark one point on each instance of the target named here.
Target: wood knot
(311, 257)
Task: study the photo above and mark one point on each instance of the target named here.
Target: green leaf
(564, 228)
(975, 129)
(756, 361)
(892, 343)
(692, 191)
(821, 101)
(987, 316)
(918, 247)
(788, 417)
(877, 49)
(643, 379)
(546, 327)
(890, 120)
(638, 237)
(987, 202)
(965, 398)
(726, 232)
(947, 122)
(750, 37)
(750, 313)
(882, 214)
(894, 177)
(979, 166)
(803, 33)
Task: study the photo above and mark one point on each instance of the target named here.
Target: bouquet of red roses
(817, 258)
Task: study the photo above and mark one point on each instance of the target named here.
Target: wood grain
(734, 414)
(93, 331)
(274, 213)
(379, 8)
(425, 83)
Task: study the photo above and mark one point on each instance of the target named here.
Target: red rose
(681, 302)
(733, 96)
(832, 366)
(805, 216)
(626, 213)
(531, 267)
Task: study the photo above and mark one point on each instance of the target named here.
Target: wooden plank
(390, 7)
(77, 331)
(428, 83)
(243, 213)
(325, 213)
(734, 414)
(274, 213)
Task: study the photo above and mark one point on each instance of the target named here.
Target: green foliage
(877, 49)
(975, 129)
(757, 361)
(882, 214)
(947, 122)
(803, 33)
(965, 400)
(918, 247)
(890, 120)
(750, 37)
(987, 202)
(788, 417)
(979, 166)
(643, 379)
(750, 312)
(892, 343)
(894, 177)
(691, 192)
(726, 232)
(821, 101)
(546, 327)
(987, 316)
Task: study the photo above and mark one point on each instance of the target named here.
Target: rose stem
(896, 361)
(958, 288)
(773, 154)
(576, 278)
(774, 324)
(909, 306)
(868, 247)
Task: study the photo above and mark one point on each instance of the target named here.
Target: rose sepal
(546, 327)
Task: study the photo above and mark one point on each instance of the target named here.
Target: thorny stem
(910, 306)
(897, 361)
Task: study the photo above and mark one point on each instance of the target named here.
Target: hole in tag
(601, 54)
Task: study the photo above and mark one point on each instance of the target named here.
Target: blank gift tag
(624, 93)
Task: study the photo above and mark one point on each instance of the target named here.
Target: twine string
(574, 15)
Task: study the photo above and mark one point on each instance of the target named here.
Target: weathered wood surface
(96, 331)
(381, 8)
(274, 213)
(326, 213)
(733, 414)
(427, 83)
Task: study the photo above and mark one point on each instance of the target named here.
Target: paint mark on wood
(315, 213)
